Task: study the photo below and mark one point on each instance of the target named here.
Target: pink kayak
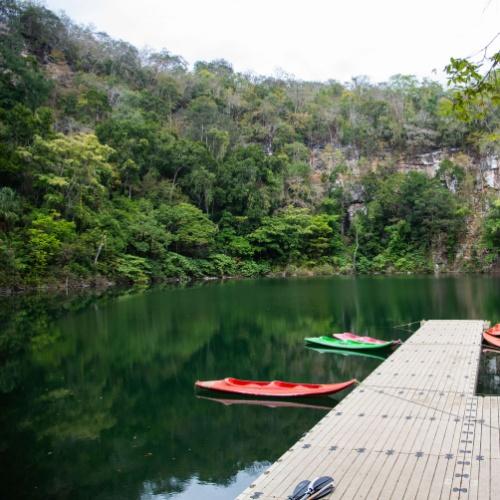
(357, 338)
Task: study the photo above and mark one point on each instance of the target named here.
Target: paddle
(318, 487)
(326, 490)
(300, 490)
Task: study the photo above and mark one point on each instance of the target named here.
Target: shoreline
(103, 283)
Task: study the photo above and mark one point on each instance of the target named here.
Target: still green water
(96, 393)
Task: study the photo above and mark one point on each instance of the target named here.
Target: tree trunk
(173, 182)
(99, 249)
(354, 255)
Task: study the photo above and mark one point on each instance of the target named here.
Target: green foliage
(48, 243)
(450, 174)
(71, 172)
(224, 265)
(135, 168)
(477, 87)
(138, 145)
(11, 266)
(21, 80)
(492, 228)
(133, 268)
(407, 214)
(250, 268)
(192, 231)
(296, 234)
(239, 246)
(248, 183)
(21, 124)
(180, 267)
(10, 208)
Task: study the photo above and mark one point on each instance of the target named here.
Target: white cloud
(315, 39)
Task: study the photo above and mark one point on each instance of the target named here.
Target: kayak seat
(328, 339)
(279, 383)
(246, 383)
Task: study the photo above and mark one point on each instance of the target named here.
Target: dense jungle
(129, 166)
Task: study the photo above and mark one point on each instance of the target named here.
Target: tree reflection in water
(489, 372)
(96, 390)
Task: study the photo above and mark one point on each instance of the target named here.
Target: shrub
(132, 268)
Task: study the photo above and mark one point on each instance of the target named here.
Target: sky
(309, 39)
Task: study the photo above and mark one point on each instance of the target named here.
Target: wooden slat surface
(413, 429)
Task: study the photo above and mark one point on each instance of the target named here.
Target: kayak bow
(494, 330)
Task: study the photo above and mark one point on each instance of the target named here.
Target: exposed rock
(427, 163)
(61, 73)
(354, 208)
(325, 161)
(490, 170)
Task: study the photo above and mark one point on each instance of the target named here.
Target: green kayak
(334, 343)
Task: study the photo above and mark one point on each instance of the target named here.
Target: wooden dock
(413, 429)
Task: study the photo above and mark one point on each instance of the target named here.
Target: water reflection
(97, 392)
(489, 372)
(312, 403)
(194, 488)
(344, 352)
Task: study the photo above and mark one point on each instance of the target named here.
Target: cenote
(96, 392)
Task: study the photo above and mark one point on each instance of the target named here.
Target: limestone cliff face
(490, 171)
(342, 167)
(485, 170)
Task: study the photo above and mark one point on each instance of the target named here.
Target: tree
(248, 182)
(295, 234)
(192, 231)
(477, 86)
(492, 228)
(408, 213)
(21, 80)
(168, 171)
(200, 184)
(165, 61)
(10, 208)
(202, 115)
(48, 237)
(71, 173)
(138, 139)
(184, 157)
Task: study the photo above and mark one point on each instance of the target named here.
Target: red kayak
(273, 389)
(358, 338)
(491, 339)
(494, 330)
